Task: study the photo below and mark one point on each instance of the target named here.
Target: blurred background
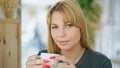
(102, 19)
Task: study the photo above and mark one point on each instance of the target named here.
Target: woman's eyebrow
(53, 24)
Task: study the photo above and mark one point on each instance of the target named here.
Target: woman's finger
(62, 65)
(33, 57)
(36, 66)
(36, 62)
(63, 59)
(33, 60)
(65, 65)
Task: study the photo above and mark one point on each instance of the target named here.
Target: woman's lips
(63, 42)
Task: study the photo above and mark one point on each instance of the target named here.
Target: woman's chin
(65, 48)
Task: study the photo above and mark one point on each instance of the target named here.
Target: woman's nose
(61, 32)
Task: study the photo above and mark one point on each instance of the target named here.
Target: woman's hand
(66, 63)
(34, 61)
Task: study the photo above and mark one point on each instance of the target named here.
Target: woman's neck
(73, 54)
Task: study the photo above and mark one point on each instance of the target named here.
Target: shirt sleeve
(107, 64)
(44, 51)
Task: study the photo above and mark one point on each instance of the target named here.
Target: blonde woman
(67, 36)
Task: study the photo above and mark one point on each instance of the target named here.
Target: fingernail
(52, 57)
(45, 61)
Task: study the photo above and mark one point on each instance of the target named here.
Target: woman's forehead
(65, 18)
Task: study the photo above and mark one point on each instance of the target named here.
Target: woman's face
(65, 35)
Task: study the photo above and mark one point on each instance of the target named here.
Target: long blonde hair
(70, 10)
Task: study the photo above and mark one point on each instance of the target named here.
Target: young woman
(67, 36)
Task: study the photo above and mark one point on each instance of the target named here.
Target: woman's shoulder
(98, 59)
(42, 51)
(97, 55)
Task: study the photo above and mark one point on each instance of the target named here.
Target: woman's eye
(54, 27)
(69, 25)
